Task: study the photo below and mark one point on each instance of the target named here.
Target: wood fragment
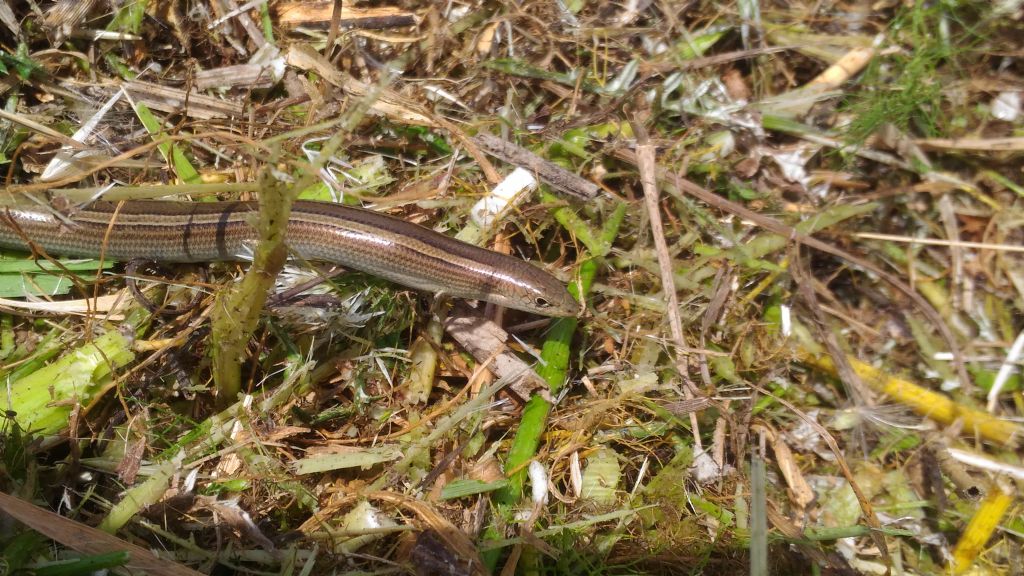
(175, 100)
(332, 28)
(306, 58)
(845, 68)
(799, 490)
(798, 101)
(251, 29)
(318, 15)
(484, 339)
(549, 172)
(867, 509)
(238, 76)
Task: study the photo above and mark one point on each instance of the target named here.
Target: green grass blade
(171, 152)
(84, 566)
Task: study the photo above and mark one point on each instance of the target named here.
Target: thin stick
(332, 33)
(939, 242)
(645, 161)
(548, 171)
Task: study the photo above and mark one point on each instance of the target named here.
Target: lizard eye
(542, 302)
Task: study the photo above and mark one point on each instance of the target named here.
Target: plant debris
(794, 232)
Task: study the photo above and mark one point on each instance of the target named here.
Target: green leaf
(516, 67)
(84, 566)
(22, 62)
(695, 46)
(25, 277)
(11, 266)
(170, 151)
(469, 487)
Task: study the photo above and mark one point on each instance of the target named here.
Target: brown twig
(321, 15)
(548, 171)
(645, 158)
(332, 32)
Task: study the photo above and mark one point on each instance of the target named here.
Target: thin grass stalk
(758, 518)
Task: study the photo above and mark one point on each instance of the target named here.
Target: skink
(405, 253)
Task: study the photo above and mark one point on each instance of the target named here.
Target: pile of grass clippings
(832, 384)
